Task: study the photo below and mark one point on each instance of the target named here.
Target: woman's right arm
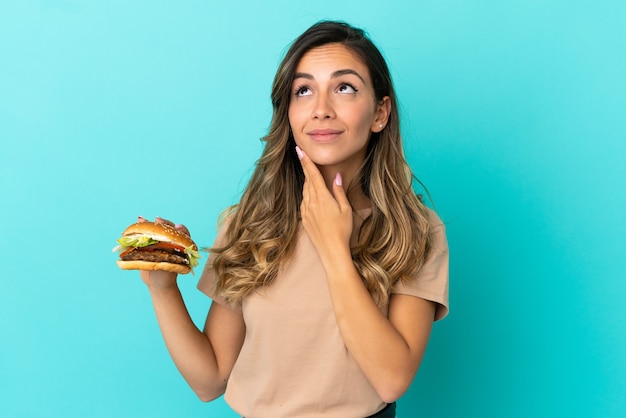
(204, 358)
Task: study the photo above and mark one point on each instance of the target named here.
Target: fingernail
(338, 180)
(158, 218)
(141, 218)
(299, 152)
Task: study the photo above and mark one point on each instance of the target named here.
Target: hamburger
(156, 246)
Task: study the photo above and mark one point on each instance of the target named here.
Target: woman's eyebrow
(303, 75)
(339, 73)
(336, 74)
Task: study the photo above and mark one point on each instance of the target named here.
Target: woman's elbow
(394, 388)
(392, 391)
(206, 397)
(207, 394)
(390, 395)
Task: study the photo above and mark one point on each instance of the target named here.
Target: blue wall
(515, 120)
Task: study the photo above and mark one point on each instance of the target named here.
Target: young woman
(327, 276)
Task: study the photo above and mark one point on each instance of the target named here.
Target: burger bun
(161, 232)
(151, 265)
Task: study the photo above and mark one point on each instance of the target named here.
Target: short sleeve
(431, 281)
(205, 284)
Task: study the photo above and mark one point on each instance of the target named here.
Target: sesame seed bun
(160, 232)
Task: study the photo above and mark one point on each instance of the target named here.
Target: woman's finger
(311, 172)
(182, 228)
(160, 220)
(339, 193)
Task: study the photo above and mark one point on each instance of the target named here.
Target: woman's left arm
(387, 349)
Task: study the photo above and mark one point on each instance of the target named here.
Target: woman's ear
(383, 110)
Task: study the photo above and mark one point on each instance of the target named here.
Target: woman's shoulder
(434, 219)
(437, 230)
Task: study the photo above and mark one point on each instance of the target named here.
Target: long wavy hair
(393, 241)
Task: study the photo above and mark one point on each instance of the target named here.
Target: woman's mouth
(324, 135)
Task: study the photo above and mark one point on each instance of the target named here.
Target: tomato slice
(165, 246)
(153, 247)
(126, 251)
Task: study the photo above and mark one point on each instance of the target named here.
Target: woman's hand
(158, 279)
(326, 216)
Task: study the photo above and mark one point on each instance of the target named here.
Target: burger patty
(157, 256)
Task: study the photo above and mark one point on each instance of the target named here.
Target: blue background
(514, 117)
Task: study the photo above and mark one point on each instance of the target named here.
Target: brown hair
(393, 241)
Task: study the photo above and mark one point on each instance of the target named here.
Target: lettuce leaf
(136, 241)
(193, 255)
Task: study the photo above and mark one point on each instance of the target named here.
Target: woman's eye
(303, 91)
(346, 89)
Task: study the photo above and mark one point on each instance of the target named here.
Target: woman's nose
(323, 107)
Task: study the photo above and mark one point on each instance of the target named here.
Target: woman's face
(333, 110)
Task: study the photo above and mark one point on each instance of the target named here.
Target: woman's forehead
(330, 61)
(334, 54)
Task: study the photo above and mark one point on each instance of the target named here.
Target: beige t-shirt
(293, 362)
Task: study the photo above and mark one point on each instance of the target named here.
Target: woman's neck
(356, 196)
